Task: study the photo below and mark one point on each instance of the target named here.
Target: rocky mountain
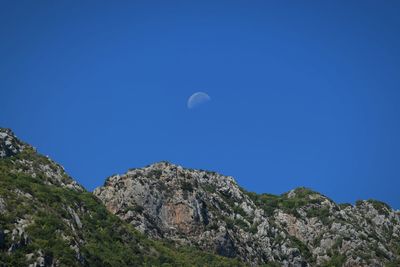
(207, 210)
(47, 219)
(167, 215)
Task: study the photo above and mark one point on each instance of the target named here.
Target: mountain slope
(210, 211)
(47, 219)
(191, 217)
(365, 234)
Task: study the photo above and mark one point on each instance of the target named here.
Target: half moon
(197, 99)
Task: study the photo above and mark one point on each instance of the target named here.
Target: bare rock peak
(209, 210)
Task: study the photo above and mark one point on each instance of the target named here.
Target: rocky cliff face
(208, 210)
(361, 235)
(197, 208)
(47, 219)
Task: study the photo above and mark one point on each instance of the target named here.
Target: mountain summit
(208, 210)
(167, 215)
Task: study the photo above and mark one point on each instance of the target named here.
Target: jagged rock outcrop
(47, 219)
(198, 208)
(366, 234)
(9, 144)
(208, 210)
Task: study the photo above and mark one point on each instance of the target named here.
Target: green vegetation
(338, 243)
(136, 209)
(103, 239)
(395, 263)
(321, 213)
(187, 186)
(230, 224)
(269, 203)
(380, 206)
(237, 209)
(253, 229)
(241, 224)
(271, 264)
(209, 188)
(155, 173)
(344, 205)
(304, 250)
(337, 260)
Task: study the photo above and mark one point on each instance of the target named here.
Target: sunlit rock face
(9, 144)
(210, 211)
(199, 208)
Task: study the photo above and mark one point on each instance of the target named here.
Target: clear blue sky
(303, 93)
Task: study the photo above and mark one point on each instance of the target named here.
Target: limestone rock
(210, 211)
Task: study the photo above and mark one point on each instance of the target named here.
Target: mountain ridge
(147, 216)
(354, 203)
(310, 227)
(47, 219)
